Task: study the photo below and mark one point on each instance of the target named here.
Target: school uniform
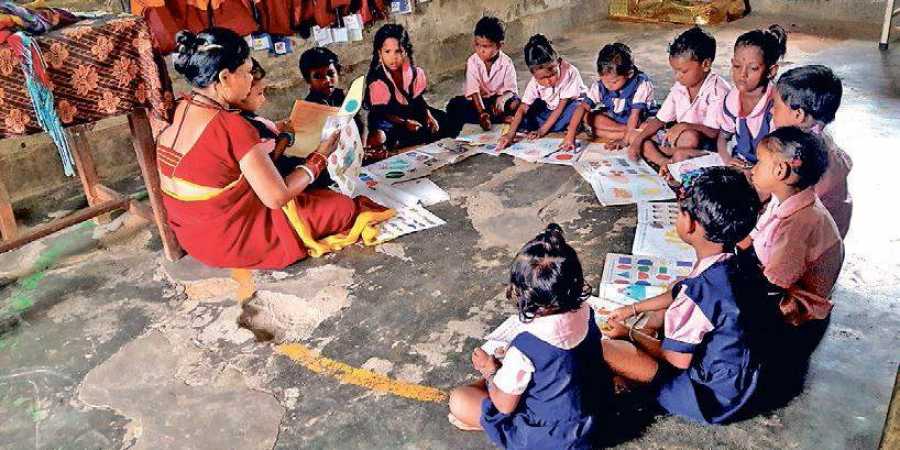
(800, 249)
(678, 106)
(747, 129)
(717, 316)
(636, 94)
(407, 101)
(556, 365)
(542, 101)
(832, 188)
(498, 89)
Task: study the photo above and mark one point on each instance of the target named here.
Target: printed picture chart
(533, 151)
(617, 180)
(448, 151)
(309, 119)
(402, 167)
(665, 213)
(345, 163)
(564, 157)
(409, 219)
(656, 235)
(474, 135)
(680, 168)
(629, 278)
(500, 338)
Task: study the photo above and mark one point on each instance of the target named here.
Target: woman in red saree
(226, 202)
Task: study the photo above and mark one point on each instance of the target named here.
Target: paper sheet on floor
(616, 180)
(408, 219)
(680, 168)
(425, 190)
(447, 151)
(474, 135)
(402, 167)
(533, 151)
(655, 234)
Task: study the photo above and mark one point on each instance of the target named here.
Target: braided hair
(387, 31)
(805, 152)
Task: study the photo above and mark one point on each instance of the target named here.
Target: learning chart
(616, 180)
(402, 167)
(408, 219)
(678, 169)
(655, 234)
(628, 278)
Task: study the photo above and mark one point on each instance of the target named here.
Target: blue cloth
(608, 99)
(724, 371)
(538, 113)
(562, 406)
(745, 142)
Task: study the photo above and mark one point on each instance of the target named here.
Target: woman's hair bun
(186, 42)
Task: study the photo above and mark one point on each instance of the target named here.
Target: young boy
(715, 323)
(490, 94)
(808, 97)
(321, 70)
(696, 87)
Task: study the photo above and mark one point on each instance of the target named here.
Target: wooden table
(97, 68)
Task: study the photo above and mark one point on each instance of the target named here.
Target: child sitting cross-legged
(715, 322)
(552, 385)
(622, 96)
(553, 100)
(491, 93)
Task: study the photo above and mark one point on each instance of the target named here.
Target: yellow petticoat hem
(365, 227)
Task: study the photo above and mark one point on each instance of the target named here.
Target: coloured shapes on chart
(648, 271)
(616, 180)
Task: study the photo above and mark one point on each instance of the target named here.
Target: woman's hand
(484, 363)
(329, 145)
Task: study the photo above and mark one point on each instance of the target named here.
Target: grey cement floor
(118, 349)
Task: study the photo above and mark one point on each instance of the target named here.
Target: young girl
(553, 99)
(552, 385)
(746, 112)
(796, 240)
(715, 322)
(622, 96)
(696, 87)
(808, 97)
(399, 116)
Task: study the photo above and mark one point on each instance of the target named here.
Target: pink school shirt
(717, 118)
(500, 80)
(798, 244)
(678, 107)
(832, 188)
(684, 321)
(563, 331)
(380, 94)
(570, 86)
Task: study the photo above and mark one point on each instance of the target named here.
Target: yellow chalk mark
(359, 377)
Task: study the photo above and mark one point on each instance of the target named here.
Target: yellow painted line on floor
(360, 377)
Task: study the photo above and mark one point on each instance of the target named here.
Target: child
(715, 322)
(691, 55)
(491, 93)
(622, 96)
(553, 99)
(399, 116)
(796, 240)
(268, 129)
(808, 97)
(746, 111)
(321, 70)
(552, 385)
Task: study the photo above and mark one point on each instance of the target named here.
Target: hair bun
(778, 33)
(539, 39)
(186, 42)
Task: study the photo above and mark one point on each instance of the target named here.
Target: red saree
(219, 220)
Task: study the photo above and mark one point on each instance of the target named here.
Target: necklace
(211, 101)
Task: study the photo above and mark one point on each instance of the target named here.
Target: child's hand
(631, 135)
(614, 329)
(634, 151)
(616, 145)
(531, 135)
(505, 140)
(412, 126)
(620, 314)
(432, 124)
(541, 132)
(484, 119)
(567, 144)
(484, 363)
(675, 132)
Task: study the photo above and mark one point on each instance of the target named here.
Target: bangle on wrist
(309, 172)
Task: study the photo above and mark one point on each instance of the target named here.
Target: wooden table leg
(8, 229)
(87, 170)
(145, 149)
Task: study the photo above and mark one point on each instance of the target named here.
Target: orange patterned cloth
(97, 68)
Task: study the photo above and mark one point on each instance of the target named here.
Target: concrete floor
(116, 348)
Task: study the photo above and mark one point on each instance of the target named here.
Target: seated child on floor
(622, 96)
(399, 115)
(491, 93)
(745, 113)
(715, 322)
(268, 129)
(553, 99)
(552, 386)
(681, 115)
(322, 71)
(795, 239)
(808, 97)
